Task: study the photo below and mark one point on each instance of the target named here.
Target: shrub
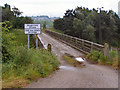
(28, 64)
(7, 42)
(102, 59)
(115, 62)
(22, 56)
(95, 56)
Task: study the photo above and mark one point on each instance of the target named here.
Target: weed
(115, 62)
(99, 58)
(71, 60)
(19, 87)
(28, 81)
(26, 65)
(93, 56)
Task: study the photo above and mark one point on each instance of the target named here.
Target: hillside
(44, 19)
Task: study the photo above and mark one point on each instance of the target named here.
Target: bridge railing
(40, 44)
(79, 44)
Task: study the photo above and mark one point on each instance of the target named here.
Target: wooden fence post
(49, 47)
(106, 50)
(91, 46)
(75, 42)
(82, 44)
(116, 51)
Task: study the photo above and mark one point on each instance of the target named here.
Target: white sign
(32, 28)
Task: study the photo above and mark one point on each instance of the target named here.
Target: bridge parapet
(40, 43)
(79, 44)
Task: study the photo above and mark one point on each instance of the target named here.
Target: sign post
(32, 29)
(28, 41)
(36, 41)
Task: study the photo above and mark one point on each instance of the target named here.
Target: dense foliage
(20, 65)
(89, 24)
(14, 17)
(44, 25)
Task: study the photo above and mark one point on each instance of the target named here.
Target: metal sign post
(32, 29)
(36, 41)
(28, 41)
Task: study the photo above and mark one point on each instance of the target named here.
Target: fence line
(79, 44)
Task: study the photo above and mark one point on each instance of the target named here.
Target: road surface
(91, 76)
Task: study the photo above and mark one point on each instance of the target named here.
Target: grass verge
(25, 65)
(99, 58)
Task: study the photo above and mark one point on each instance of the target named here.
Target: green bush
(94, 56)
(21, 63)
(102, 57)
(112, 54)
(99, 58)
(7, 42)
(39, 61)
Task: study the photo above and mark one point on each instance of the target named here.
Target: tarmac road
(91, 76)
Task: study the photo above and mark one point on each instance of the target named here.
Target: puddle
(68, 68)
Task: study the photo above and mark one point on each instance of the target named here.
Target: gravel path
(91, 76)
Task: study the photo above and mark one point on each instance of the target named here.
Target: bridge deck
(92, 76)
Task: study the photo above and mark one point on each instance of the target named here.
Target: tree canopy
(86, 24)
(14, 16)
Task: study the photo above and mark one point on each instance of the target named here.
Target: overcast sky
(58, 7)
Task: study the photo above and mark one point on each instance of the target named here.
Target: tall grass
(26, 65)
(98, 57)
(29, 64)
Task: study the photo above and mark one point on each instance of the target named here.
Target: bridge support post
(91, 46)
(49, 47)
(106, 50)
(83, 44)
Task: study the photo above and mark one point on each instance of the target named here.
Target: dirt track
(91, 76)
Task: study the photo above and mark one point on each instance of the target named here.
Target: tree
(84, 23)
(7, 41)
(89, 33)
(16, 11)
(44, 25)
(69, 13)
(7, 14)
(27, 20)
(13, 17)
(78, 26)
(58, 24)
